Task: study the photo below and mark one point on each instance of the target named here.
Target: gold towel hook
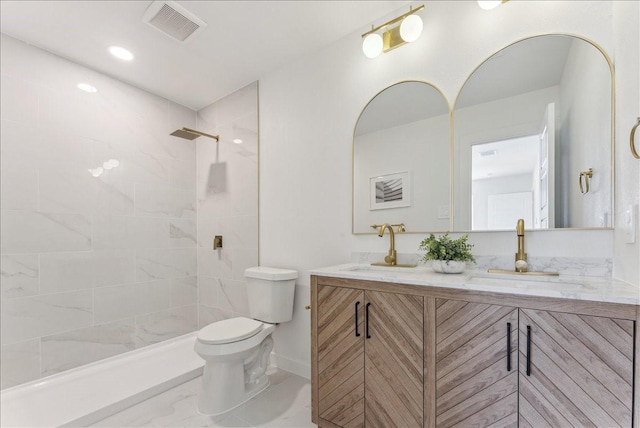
(634, 152)
(587, 177)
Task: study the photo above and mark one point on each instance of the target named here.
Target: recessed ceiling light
(237, 140)
(96, 172)
(121, 53)
(87, 87)
(110, 164)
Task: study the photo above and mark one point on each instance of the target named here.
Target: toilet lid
(230, 330)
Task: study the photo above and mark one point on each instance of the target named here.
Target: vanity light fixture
(121, 53)
(490, 4)
(237, 141)
(395, 33)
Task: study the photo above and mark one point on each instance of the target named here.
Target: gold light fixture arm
(193, 131)
(394, 21)
(586, 175)
(632, 143)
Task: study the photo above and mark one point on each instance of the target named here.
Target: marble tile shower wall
(227, 187)
(92, 265)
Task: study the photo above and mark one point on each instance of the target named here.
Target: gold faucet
(390, 259)
(521, 256)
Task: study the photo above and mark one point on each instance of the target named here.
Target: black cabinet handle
(366, 320)
(528, 350)
(356, 311)
(508, 346)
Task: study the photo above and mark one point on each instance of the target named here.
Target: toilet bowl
(236, 353)
(236, 350)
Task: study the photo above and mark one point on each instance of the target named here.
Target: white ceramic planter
(450, 266)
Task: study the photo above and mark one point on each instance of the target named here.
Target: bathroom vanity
(413, 348)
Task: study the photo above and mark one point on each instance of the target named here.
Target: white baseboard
(292, 366)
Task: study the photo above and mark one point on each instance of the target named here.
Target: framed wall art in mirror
(402, 144)
(527, 122)
(390, 191)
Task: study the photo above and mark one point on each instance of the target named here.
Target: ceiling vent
(173, 20)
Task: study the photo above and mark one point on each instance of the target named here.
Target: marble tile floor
(286, 403)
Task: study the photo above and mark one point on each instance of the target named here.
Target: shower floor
(286, 403)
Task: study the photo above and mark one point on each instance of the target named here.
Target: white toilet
(236, 350)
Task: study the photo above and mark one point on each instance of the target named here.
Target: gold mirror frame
(454, 200)
(451, 139)
(362, 229)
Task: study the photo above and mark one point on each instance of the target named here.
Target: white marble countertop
(563, 286)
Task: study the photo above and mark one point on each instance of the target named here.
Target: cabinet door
(578, 370)
(341, 356)
(394, 360)
(476, 365)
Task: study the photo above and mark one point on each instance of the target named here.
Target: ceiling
(243, 41)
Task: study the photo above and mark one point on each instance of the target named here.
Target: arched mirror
(533, 138)
(401, 160)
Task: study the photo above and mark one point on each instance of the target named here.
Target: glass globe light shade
(411, 28)
(489, 4)
(372, 45)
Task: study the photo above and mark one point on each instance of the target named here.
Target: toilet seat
(229, 331)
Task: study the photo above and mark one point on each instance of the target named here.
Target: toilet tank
(270, 293)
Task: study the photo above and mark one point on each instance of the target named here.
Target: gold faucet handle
(400, 226)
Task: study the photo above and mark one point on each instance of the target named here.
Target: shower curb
(90, 393)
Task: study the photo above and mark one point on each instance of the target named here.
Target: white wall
(626, 17)
(309, 110)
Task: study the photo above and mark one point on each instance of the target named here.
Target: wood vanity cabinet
(449, 357)
(579, 371)
(369, 358)
(569, 370)
(476, 364)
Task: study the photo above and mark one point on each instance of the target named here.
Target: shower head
(192, 134)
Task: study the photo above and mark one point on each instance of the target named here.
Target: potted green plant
(447, 255)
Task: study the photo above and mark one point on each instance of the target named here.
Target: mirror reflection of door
(514, 179)
(503, 182)
(544, 191)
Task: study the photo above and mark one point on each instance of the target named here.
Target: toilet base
(247, 397)
(228, 382)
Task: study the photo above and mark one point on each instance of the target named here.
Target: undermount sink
(380, 268)
(525, 281)
(526, 273)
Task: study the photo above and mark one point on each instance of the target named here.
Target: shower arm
(193, 131)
